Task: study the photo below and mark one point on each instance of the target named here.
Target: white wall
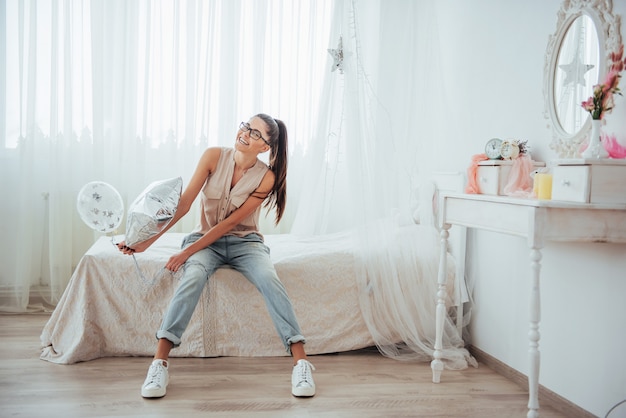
(498, 92)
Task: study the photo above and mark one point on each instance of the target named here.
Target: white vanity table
(538, 221)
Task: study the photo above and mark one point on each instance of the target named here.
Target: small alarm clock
(493, 149)
(509, 150)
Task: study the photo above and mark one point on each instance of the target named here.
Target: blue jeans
(248, 255)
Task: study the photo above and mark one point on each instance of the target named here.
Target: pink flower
(616, 57)
(588, 104)
(611, 81)
(601, 102)
(607, 103)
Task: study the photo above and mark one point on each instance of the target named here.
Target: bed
(114, 303)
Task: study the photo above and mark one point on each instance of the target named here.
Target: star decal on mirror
(575, 71)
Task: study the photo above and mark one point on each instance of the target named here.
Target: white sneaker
(302, 383)
(156, 381)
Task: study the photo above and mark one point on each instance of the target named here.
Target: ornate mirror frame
(607, 25)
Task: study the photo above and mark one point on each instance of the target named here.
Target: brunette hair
(277, 132)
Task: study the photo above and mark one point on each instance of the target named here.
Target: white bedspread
(108, 310)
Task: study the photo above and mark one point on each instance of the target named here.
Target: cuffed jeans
(248, 255)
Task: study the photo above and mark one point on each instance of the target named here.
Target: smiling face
(248, 139)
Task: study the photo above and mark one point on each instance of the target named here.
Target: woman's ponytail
(278, 163)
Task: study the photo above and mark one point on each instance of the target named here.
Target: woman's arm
(249, 206)
(206, 166)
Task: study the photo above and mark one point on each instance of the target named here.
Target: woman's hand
(137, 248)
(176, 261)
(123, 248)
(143, 245)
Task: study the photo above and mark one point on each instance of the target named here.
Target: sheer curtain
(372, 151)
(132, 92)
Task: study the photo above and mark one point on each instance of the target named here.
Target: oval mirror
(575, 73)
(576, 59)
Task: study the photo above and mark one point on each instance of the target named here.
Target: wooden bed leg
(437, 364)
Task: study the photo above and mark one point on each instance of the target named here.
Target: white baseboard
(558, 402)
(38, 300)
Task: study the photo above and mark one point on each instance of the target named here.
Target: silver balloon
(100, 206)
(153, 210)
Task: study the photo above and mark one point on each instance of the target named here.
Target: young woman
(234, 183)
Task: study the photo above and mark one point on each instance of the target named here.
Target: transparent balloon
(153, 210)
(100, 206)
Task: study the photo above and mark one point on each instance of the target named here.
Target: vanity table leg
(534, 335)
(437, 364)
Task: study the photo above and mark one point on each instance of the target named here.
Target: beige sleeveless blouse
(218, 200)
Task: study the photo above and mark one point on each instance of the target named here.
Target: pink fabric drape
(613, 147)
(472, 186)
(519, 182)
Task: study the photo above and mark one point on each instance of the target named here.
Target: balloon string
(143, 278)
(146, 282)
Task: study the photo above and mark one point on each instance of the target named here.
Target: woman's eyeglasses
(254, 133)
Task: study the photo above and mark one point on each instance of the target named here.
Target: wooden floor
(356, 384)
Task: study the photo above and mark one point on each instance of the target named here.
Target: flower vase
(595, 148)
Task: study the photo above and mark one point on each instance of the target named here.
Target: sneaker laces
(156, 375)
(304, 373)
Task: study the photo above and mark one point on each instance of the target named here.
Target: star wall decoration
(337, 55)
